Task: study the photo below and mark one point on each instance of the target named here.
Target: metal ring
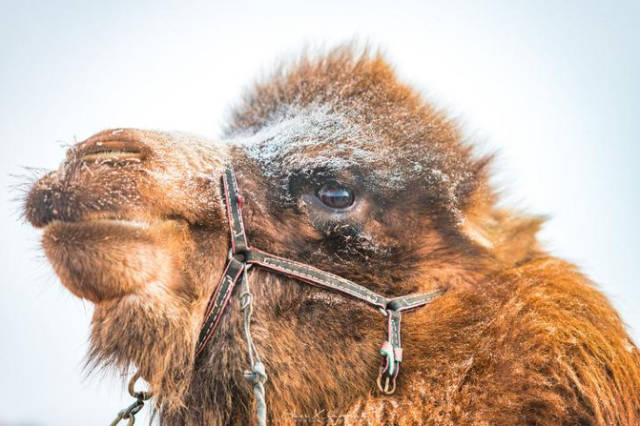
(386, 389)
(142, 395)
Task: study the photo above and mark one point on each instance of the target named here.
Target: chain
(130, 412)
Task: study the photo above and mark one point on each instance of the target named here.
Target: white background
(553, 87)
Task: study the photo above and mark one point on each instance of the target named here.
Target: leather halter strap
(242, 255)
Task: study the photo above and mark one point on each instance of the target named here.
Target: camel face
(117, 213)
(348, 171)
(342, 167)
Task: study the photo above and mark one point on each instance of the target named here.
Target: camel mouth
(74, 234)
(102, 258)
(107, 222)
(132, 221)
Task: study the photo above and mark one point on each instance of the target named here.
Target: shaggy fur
(133, 221)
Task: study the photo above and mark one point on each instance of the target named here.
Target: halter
(242, 256)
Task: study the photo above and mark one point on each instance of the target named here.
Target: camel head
(340, 166)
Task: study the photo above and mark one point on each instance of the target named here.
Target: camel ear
(507, 235)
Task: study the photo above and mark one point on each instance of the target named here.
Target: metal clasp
(388, 371)
(130, 412)
(389, 386)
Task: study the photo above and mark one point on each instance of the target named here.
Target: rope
(257, 375)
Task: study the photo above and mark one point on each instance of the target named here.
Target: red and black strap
(242, 255)
(233, 201)
(391, 349)
(219, 301)
(316, 277)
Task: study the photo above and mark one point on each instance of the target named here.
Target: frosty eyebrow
(300, 139)
(306, 138)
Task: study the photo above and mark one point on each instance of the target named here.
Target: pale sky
(552, 87)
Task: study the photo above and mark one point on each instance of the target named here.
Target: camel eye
(335, 196)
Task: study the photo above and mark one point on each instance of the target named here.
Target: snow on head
(348, 112)
(304, 138)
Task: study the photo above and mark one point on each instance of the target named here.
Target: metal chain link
(130, 412)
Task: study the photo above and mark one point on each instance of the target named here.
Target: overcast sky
(552, 87)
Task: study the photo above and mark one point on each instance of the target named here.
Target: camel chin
(105, 259)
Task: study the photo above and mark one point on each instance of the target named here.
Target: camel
(343, 167)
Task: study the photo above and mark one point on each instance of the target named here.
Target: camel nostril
(110, 150)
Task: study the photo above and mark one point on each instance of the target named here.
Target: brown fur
(519, 337)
